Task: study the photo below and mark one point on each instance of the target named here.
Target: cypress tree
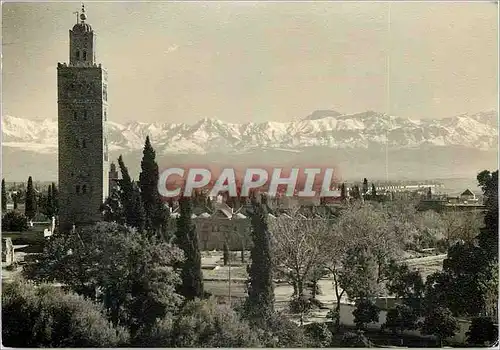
(156, 214)
(127, 195)
(187, 240)
(260, 301)
(49, 203)
(343, 193)
(4, 197)
(429, 193)
(30, 200)
(137, 215)
(374, 191)
(112, 207)
(55, 199)
(355, 192)
(365, 186)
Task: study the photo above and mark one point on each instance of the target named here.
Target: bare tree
(365, 240)
(300, 246)
(461, 226)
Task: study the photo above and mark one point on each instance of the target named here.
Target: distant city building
(223, 224)
(467, 201)
(468, 197)
(82, 113)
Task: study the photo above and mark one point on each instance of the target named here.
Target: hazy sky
(239, 62)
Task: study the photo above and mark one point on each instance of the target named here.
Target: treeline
(143, 285)
(40, 205)
(362, 251)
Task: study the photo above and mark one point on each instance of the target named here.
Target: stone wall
(214, 232)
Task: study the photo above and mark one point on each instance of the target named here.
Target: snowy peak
(324, 113)
(324, 128)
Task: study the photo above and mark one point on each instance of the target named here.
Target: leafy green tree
(30, 200)
(482, 332)
(363, 243)
(203, 323)
(440, 323)
(187, 239)
(401, 318)
(14, 221)
(488, 286)
(488, 238)
(355, 340)
(156, 213)
(260, 301)
(4, 197)
(465, 285)
(45, 316)
(359, 275)
(366, 312)
(280, 332)
(320, 335)
(130, 274)
(300, 305)
(406, 285)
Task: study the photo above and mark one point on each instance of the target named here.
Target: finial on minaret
(83, 16)
(77, 15)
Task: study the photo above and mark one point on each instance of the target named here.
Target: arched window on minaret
(84, 189)
(75, 115)
(84, 144)
(84, 55)
(77, 55)
(78, 189)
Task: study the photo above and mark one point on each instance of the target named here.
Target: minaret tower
(82, 114)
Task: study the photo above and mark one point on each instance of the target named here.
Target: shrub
(355, 340)
(440, 323)
(319, 334)
(202, 324)
(482, 331)
(14, 221)
(44, 316)
(366, 312)
(401, 318)
(280, 332)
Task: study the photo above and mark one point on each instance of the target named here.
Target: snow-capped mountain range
(326, 129)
